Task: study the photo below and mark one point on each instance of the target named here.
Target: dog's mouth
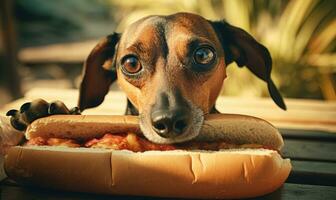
(191, 131)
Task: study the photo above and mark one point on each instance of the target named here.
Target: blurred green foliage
(300, 35)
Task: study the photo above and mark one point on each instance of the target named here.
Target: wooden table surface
(308, 128)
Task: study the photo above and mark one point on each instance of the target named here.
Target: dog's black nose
(170, 124)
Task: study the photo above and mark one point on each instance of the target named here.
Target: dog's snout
(170, 123)
(170, 115)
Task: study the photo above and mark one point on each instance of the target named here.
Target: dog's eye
(131, 64)
(204, 55)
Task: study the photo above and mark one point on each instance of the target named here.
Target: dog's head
(172, 69)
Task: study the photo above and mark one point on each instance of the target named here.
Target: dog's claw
(18, 124)
(12, 112)
(75, 111)
(57, 107)
(16, 120)
(25, 107)
(34, 110)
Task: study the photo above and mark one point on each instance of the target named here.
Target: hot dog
(234, 156)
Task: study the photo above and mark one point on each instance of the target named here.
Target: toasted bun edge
(223, 174)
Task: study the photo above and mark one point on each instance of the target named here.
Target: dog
(172, 69)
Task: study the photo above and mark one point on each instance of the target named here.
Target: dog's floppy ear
(98, 73)
(241, 47)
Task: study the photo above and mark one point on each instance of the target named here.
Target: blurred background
(43, 43)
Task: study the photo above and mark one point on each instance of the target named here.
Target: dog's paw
(36, 109)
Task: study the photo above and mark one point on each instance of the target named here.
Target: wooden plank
(310, 150)
(308, 135)
(18, 193)
(314, 166)
(313, 173)
(301, 114)
(302, 192)
(288, 191)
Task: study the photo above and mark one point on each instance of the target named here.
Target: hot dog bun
(81, 126)
(225, 174)
(235, 129)
(233, 173)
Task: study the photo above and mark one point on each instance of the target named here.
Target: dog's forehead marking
(147, 29)
(163, 31)
(146, 34)
(189, 24)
